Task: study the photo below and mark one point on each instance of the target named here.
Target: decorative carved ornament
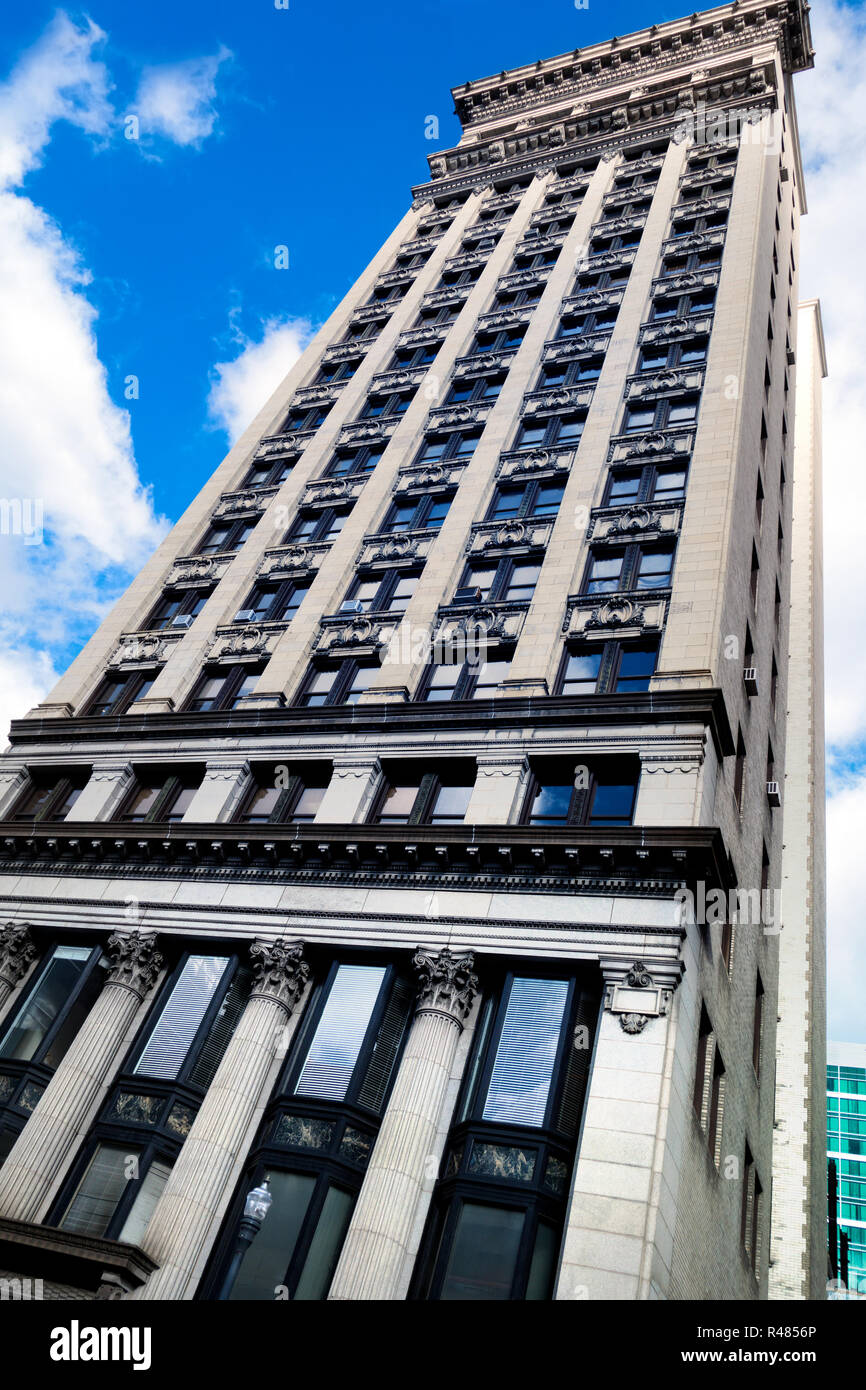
(17, 952)
(616, 613)
(280, 972)
(637, 998)
(446, 984)
(134, 961)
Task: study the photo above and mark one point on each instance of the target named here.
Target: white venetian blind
(526, 1055)
(177, 1025)
(337, 1040)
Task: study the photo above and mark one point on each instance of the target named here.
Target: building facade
(846, 1146)
(399, 834)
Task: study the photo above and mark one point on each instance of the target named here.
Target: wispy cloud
(66, 452)
(178, 100)
(241, 386)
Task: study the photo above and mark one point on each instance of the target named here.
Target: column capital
(356, 765)
(637, 992)
(280, 972)
(446, 984)
(135, 961)
(17, 951)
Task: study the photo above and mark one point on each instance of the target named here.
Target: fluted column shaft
(28, 1178)
(200, 1185)
(17, 952)
(388, 1207)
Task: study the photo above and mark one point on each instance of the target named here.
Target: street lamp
(256, 1208)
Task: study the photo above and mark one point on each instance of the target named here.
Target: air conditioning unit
(790, 356)
(468, 595)
(245, 615)
(182, 620)
(352, 605)
(784, 175)
(750, 680)
(774, 794)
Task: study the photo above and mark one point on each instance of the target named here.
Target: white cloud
(57, 79)
(176, 100)
(65, 447)
(242, 386)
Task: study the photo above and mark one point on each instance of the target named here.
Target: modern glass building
(846, 1144)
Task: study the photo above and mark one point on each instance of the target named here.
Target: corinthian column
(178, 1237)
(397, 1185)
(17, 952)
(31, 1174)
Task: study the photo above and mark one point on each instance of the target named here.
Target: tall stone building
(386, 838)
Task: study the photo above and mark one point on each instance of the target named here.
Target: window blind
(222, 1029)
(149, 1193)
(99, 1192)
(526, 1054)
(337, 1040)
(166, 1048)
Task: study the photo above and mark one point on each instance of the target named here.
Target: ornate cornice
(280, 973)
(134, 961)
(17, 952)
(446, 984)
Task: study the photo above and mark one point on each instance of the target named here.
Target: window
(338, 371)
(381, 593)
(482, 388)
(569, 373)
(306, 418)
(758, 1025)
(739, 770)
(556, 430)
(412, 795)
(702, 222)
(177, 608)
(465, 680)
(50, 796)
(658, 415)
(647, 484)
(159, 795)
(508, 299)
(709, 1090)
(691, 262)
(223, 687)
(102, 1187)
(749, 1220)
(538, 498)
(629, 567)
(429, 318)
(598, 321)
(509, 581)
(754, 574)
(460, 444)
(681, 306)
(425, 513)
(499, 341)
(279, 795)
(55, 1005)
(268, 473)
(621, 668)
(759, 503)
(661, 357)
(186, 1013)
(406, 358)
(349, 462)
(117, 693)
(351, 1037)
(562, 793)
(385, 406)
(223, 537)
(317, 526)
(337, 685)
(369, 330)
(499, 1207)
(273, 603)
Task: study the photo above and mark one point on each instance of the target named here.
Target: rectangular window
(99, 1191)
(54, 987)
(340, 1032)
(520, 1082)
(181, 1017)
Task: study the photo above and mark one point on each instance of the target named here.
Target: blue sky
(153, 258)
